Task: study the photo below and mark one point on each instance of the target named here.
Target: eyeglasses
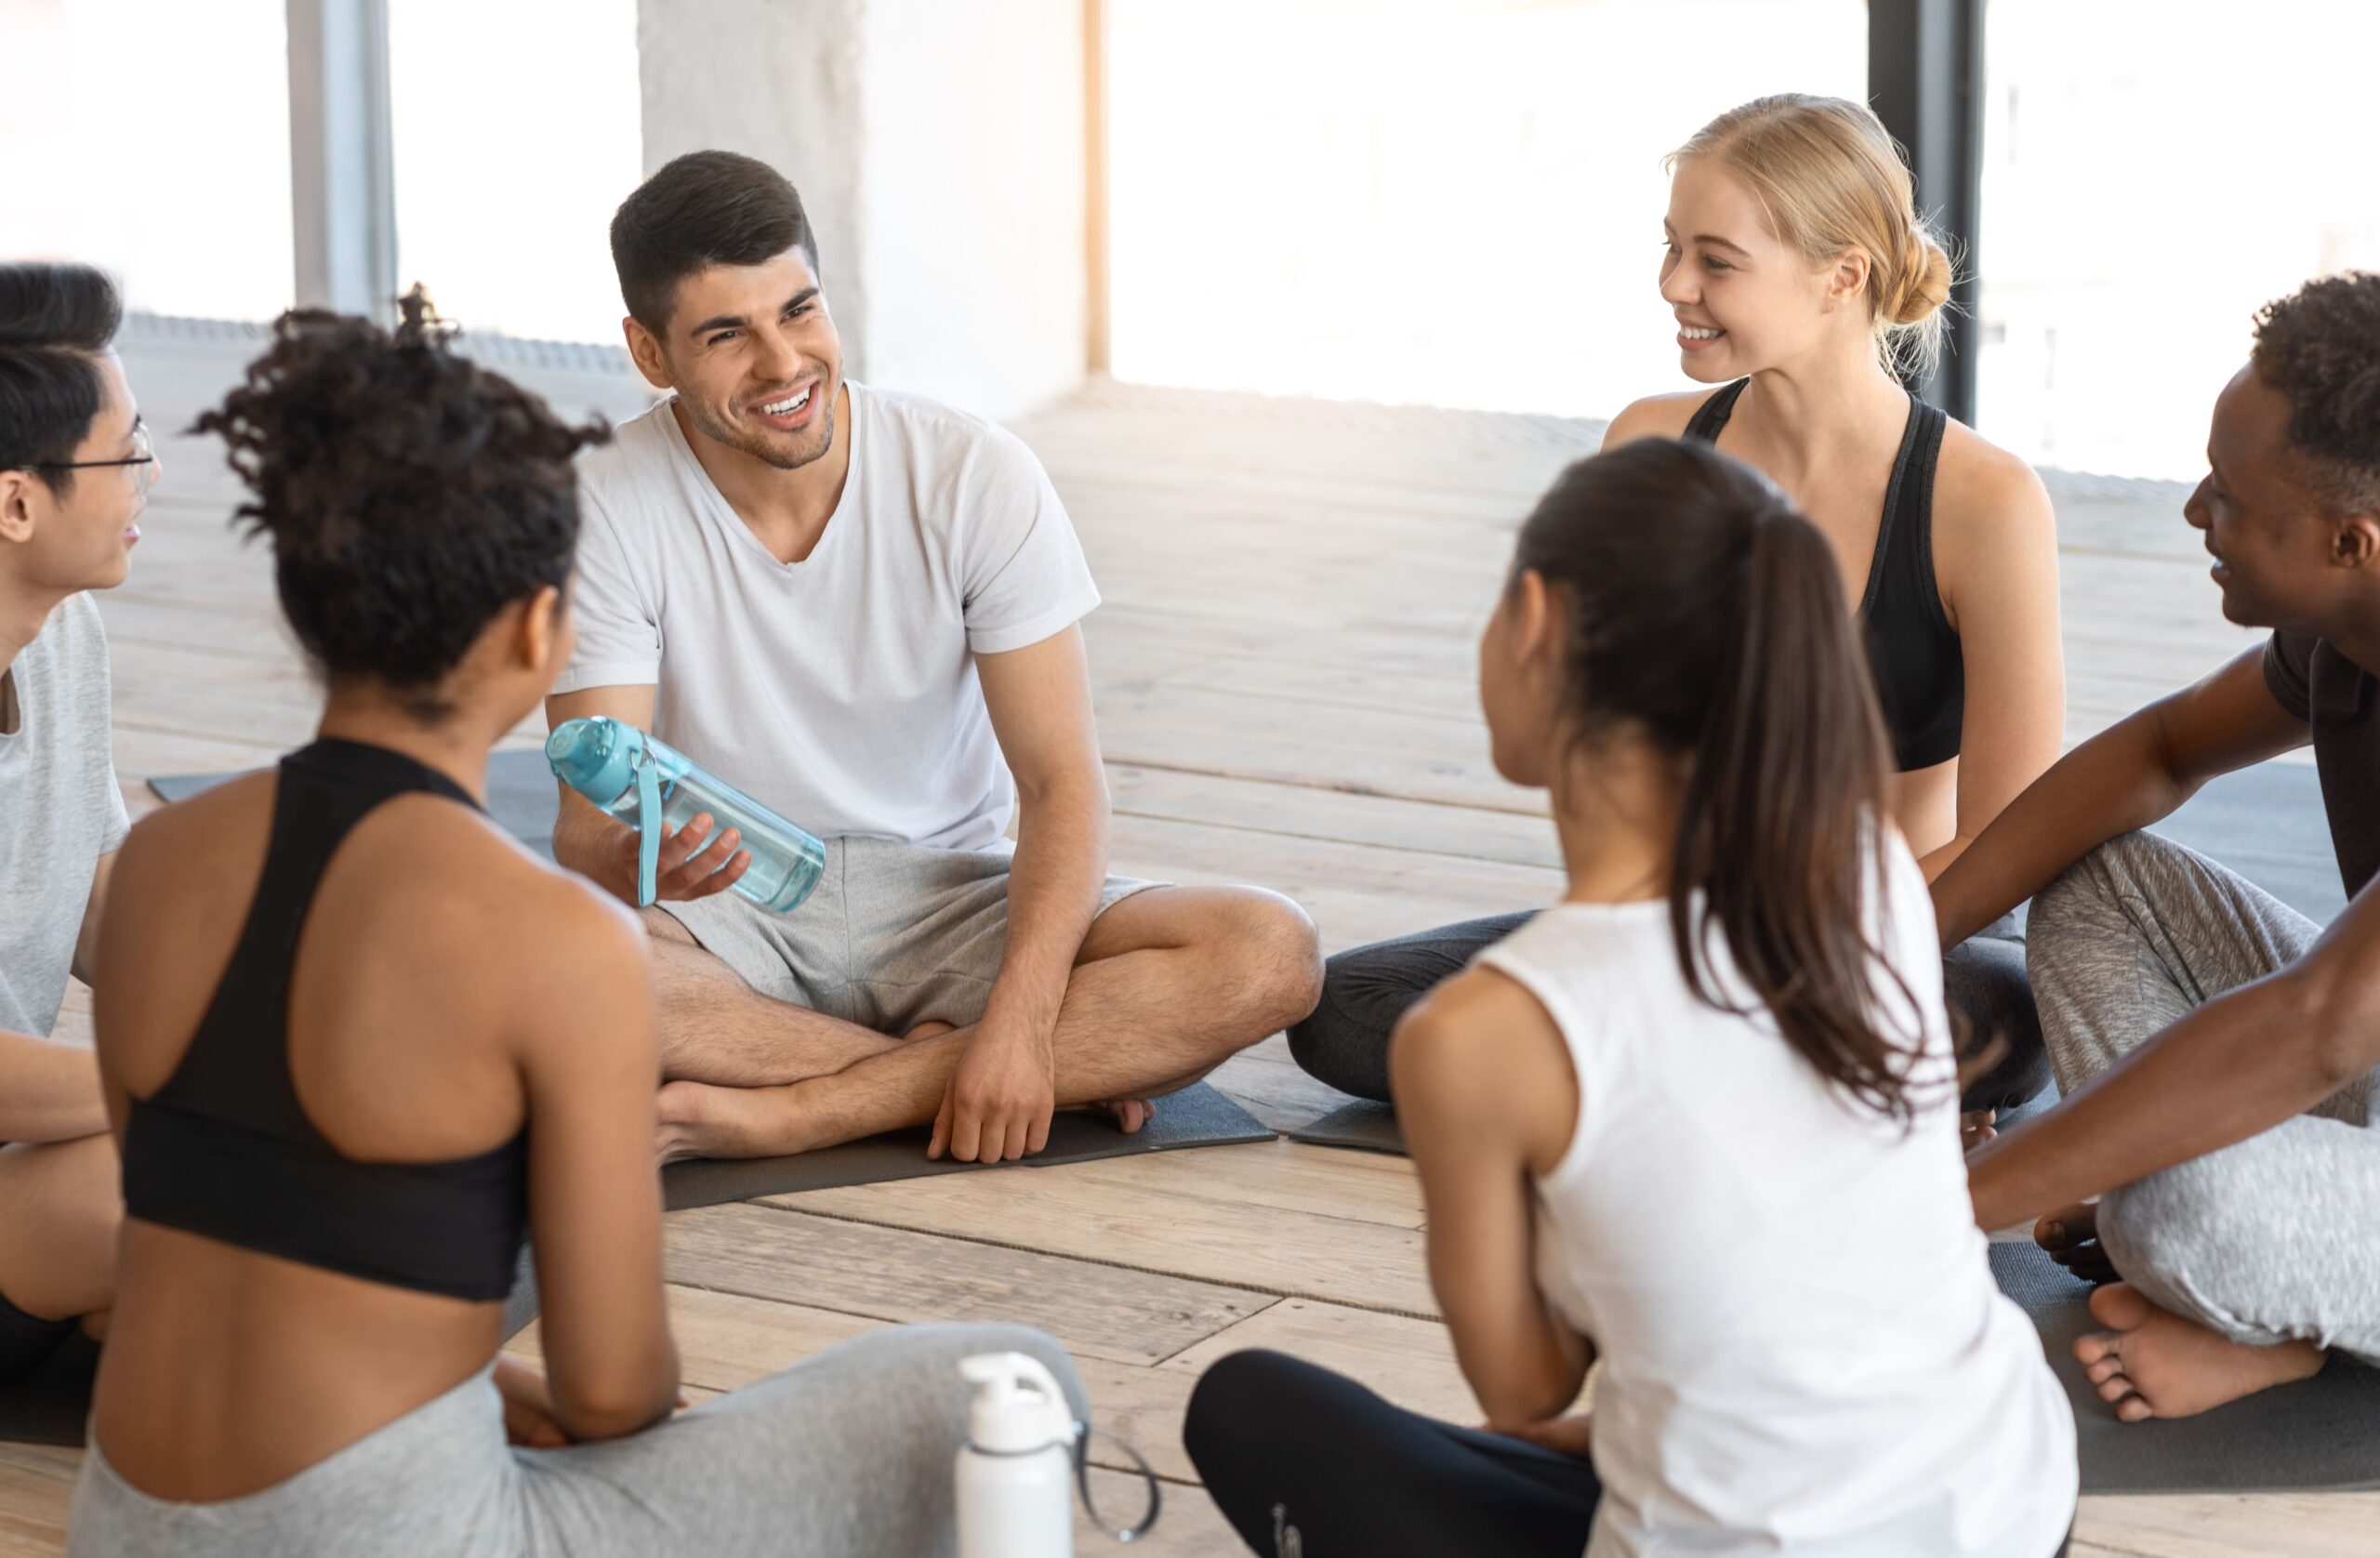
(143, 453)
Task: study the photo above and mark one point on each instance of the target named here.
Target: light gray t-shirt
(59, 809)
(840, 689)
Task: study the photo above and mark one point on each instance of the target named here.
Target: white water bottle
(1016, 1469)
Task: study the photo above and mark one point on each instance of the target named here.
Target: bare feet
(1130, 1113)
(701, 1120)
(2152, 1363)
(698, 1119)
(2072, 1239)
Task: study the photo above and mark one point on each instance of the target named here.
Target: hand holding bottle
(693, 864)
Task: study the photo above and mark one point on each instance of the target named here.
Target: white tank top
(1802, 1349)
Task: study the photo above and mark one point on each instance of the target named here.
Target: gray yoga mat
(1195, 1117)
(1363, 1123)
(520, 794)
(2319, 1434)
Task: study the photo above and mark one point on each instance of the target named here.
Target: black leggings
(1307, 1464)
(1367, 989)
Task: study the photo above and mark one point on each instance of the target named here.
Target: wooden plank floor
(1284, 682)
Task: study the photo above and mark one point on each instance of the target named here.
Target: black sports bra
(224, 1149)
(1912, 650)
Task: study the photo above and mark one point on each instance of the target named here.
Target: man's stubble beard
(767, 453)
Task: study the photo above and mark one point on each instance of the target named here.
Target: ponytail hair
(1706, 615)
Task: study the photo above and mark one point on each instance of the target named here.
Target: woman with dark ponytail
(1694, 1119)
(356, 1042)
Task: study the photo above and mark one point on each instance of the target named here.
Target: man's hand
(1000, 1098)
(692, 865)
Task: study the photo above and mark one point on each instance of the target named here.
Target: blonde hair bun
(1830, 179)
(1925, 281)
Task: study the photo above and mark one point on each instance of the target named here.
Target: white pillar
(939, 147)
(342, 188)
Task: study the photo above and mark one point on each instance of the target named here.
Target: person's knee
(663, 926)
(1273, 961)
(1233, 1408)
(67, 1260)
(935, 1351)
(2192, 1219)
(1990, 1002)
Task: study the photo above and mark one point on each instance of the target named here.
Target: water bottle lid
(597, 757)
(1018, 1408)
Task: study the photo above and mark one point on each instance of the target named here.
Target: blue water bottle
(655, 788)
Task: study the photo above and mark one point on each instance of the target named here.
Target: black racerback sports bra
(1912, 650)
(224, 1149)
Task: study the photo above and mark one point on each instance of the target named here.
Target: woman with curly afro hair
(356, 1042)
(2220, 1052)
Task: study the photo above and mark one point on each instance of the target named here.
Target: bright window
(1447, 202)
(2154, 171)
(517, 133)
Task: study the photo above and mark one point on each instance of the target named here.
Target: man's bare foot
(2153, 1364)
(1977, 1128)
(700, 1120)
(2072, 1239)
(1130, 1113)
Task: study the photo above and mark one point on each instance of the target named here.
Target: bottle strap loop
(1083, 1434)
(648, 826)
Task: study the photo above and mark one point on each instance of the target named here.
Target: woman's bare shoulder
(1655, 416)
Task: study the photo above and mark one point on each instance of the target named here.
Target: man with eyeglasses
(76, 467)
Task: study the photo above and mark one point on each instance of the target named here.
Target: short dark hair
(55, 321)
(702, 210)
(410, 493)
(2320, 348)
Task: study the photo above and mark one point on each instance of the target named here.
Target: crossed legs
(57, 1243)
(2240, 1266)
(1169, 983)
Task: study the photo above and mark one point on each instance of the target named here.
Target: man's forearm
(49, 1091)
(1053, 887)
(2110, 784)
(583, 843)
(2237, 1065)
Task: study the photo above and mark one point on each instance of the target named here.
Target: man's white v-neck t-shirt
(840, 689)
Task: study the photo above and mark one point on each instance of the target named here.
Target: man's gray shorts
(892, 936)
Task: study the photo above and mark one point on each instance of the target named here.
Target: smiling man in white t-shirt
(861, 608)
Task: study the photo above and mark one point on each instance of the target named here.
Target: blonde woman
(1801, 276)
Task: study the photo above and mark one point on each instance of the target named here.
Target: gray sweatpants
(846, 1455)
(2273, 1239)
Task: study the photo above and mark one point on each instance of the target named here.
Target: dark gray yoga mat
(520, 794)
(2319, 1434)
(1363, 1123)
(1195, 1117)
(51, 1405)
